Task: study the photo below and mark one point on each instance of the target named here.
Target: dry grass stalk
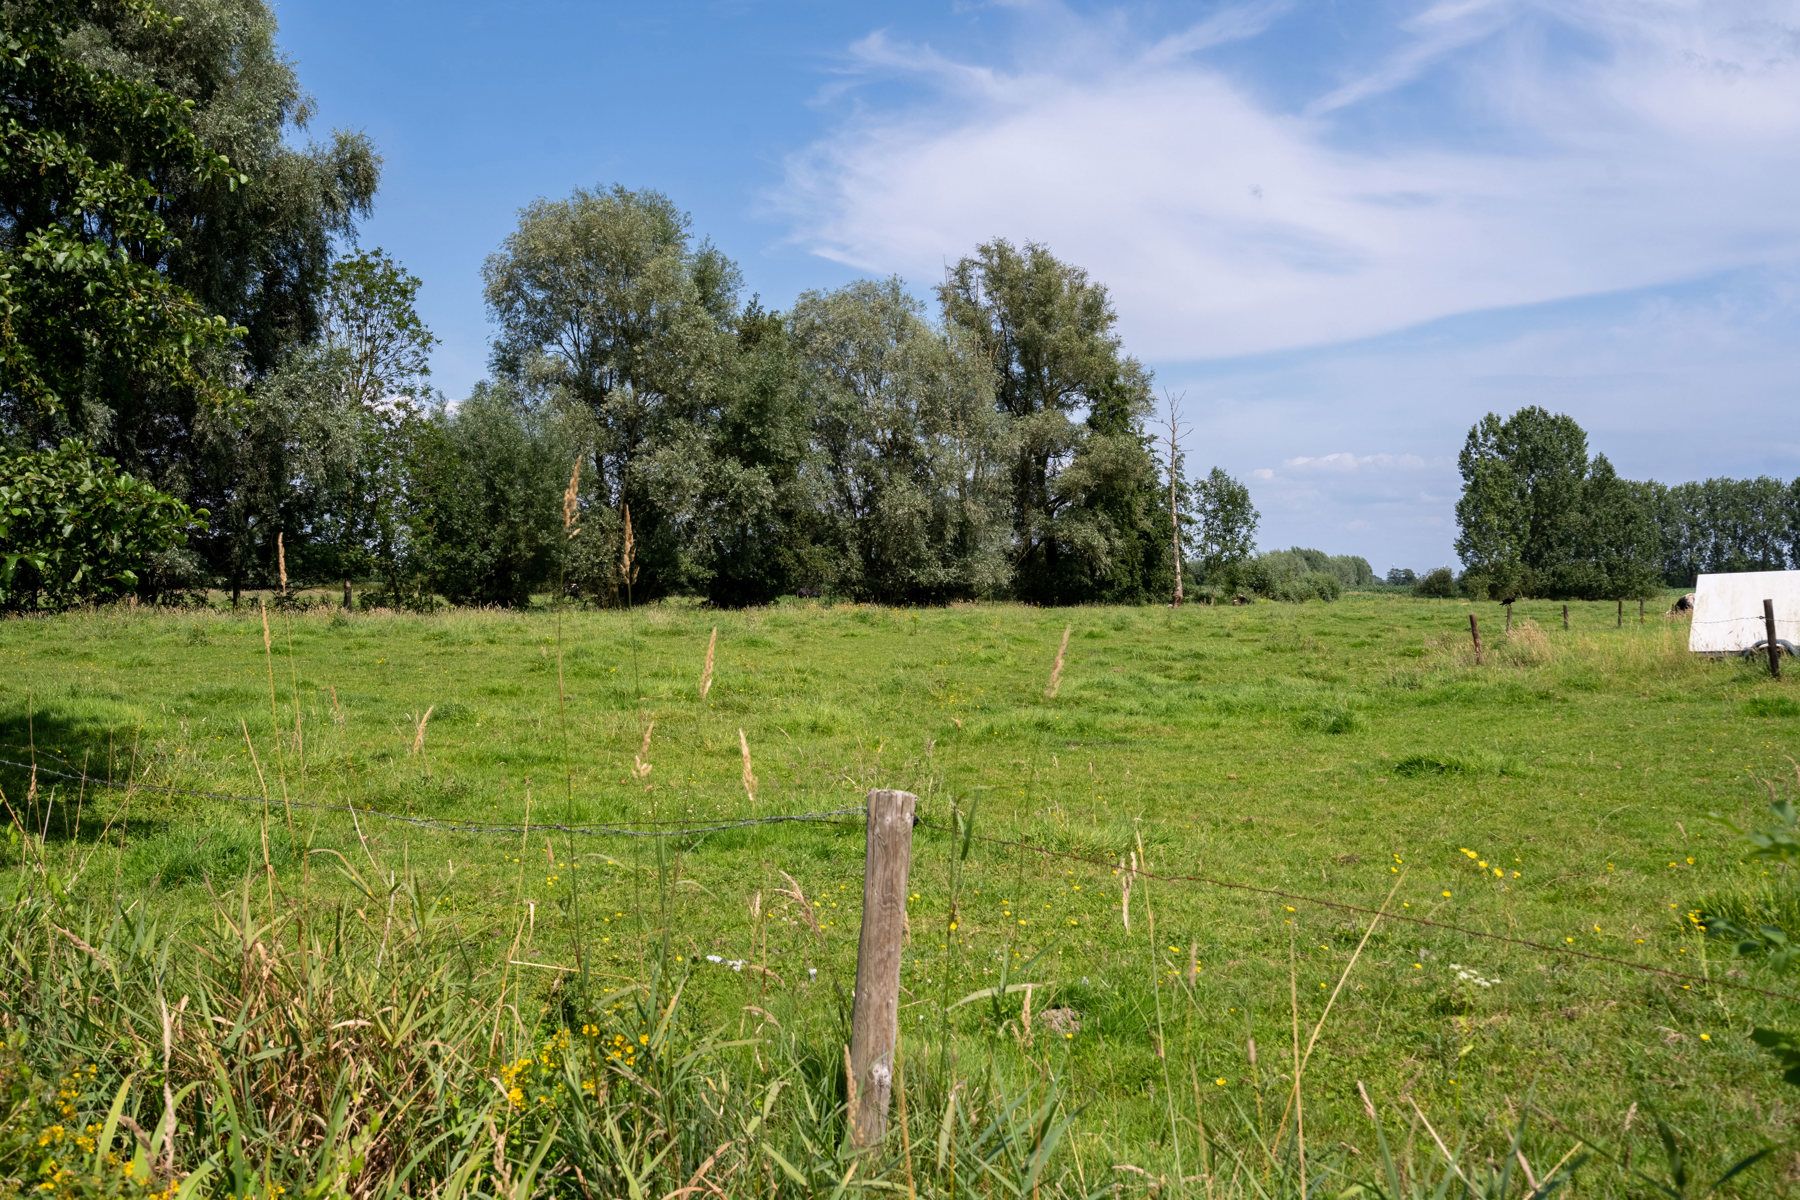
(418, 742)
(749, 774)
(1299, 1107)
(281, 561)
(571, 500)
(1056, 670)
(712, 645)
(1125, 890)
(794, 892)
(640, 763)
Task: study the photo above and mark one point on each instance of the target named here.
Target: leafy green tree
(487, 483)
(88, 318)
(1621, 546)
(1793, 524)
(755, 524)
(260, 252)
(1087, 523)
(75, 529)
(242, 217)
(909, 473)
(320, 456)
(606, 303)
(1726, 525)
(1520, 513)
(1227, 524)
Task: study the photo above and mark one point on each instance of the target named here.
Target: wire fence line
(1345, 906)
(633, 829)
(843, 816)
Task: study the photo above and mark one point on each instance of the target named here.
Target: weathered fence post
(1475, 636)
(1640, 610)
(1774, 646)
(1565, 616)
(1621, 614)
(346, 595)
(1509, 616)
(875, 1016)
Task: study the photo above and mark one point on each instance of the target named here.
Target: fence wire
(1345, 906)
(634, 829)
(840, 816)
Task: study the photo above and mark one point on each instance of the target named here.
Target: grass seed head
(749, 774)
(571, 500)
(628, 554)
(640, 765)
(418, 742)
(1057, 669)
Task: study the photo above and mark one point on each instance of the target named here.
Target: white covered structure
(1728, 610)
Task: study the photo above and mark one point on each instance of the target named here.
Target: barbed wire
(633, 829)
(1757, 618)
(1365, 910)
(648, 829)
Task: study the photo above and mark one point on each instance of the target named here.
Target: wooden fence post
(346, 595)
(1774, 646)
(1640, 610)
(1475, 636)
(1621, 614)
(1509, 616)
(875, 1015)
(1565, 616)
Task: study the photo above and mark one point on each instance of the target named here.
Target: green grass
(1323, 750)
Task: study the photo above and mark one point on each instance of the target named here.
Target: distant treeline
(1538, 517)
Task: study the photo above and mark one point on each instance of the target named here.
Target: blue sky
(1340, 231)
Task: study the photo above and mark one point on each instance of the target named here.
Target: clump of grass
(1335, 717)
(1526, 645)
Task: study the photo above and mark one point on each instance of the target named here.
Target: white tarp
(1728, 610)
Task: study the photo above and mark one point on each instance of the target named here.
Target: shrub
(1439, 583)
(76, 529)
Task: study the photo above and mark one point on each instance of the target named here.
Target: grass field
(1575, 790)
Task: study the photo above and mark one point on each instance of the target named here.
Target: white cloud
(1342, 461)
(1584, 147)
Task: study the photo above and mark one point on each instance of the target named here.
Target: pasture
(1576, 791)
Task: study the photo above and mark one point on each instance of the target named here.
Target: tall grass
(244, 1058)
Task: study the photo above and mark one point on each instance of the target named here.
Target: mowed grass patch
(1569, 791)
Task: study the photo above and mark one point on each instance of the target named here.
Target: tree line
(1538, 516)
(185, 308)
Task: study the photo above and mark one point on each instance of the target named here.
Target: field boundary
(845, 816)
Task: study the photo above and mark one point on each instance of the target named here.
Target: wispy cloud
(1342, 461)
(1536, 150)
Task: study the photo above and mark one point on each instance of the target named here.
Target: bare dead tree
(1174, 431)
